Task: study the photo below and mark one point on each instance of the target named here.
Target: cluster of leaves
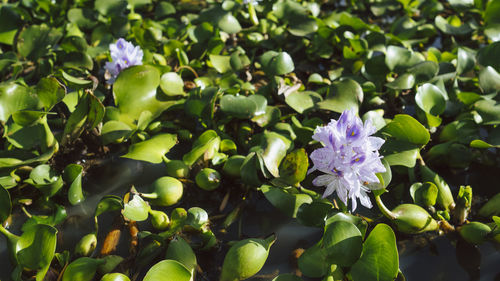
(231, 93)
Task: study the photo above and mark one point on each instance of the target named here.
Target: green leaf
(424, 71)
(274, 148)
(152, 150)
(399, 59)
(179, 250)
(238, 106)
(303, 101)
(15, 97)
(379, 259)
(110, 7)
(82, 269)
(465, 60)
(492, 11)
(285, 201)
(83, 18)
(108, 203)
(36, 247)
(168, 270)
(452, 25)
(136, 209)
(228, 23)
(400, 153)
(489, 80)
(171, 84)
(11, 22)
(73, 175)
(5, 204)
(276, 63)
(430, 99)
(313, 214)
(36, 40)
(50, 92)
(489, 111)
(342, 243)
(405, 128)
(293, 168)
(46, 179)
(135, 92)
(403, 82)
(206, 145)
(312, 263)
(487, 55)
(115, 132)
(343, 95)
(220, 63)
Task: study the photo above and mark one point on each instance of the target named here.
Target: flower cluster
(349, 158)
(123, 55)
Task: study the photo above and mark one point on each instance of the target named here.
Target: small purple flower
(123, 55)
(349, 158)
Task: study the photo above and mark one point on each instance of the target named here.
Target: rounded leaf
(342, 243)
(168, 270)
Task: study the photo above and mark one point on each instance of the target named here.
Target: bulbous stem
(386, 212)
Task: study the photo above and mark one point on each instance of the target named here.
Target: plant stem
(386, 212)
(165, 159)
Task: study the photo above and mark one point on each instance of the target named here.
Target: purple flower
(349, 158)
(123, 55)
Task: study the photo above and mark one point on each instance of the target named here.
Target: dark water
(421, 257)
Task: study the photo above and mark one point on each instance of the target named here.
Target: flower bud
(245, 258)
(412, 219)
(86, 245)
(474, 232)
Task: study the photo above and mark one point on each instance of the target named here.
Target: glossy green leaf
(221, 63)
(430, 99)
(465, 60)
(313, 214)
(303, 101)
(277, 63)
(152, 150)
(50, 92)
(11, 22)
(135, 92)
(424, 71)
(274, 148)
(179, 250)
(115, 131)
(110, 7)
(489, 80)
(405, 81)
(489, 111)
(286, 202)
(379, 259)
(343, 95)
(36, 247)
(238, 106)
(168, 270)
(424, 194)
(312, 263)
(115, 277)
(486, 56)
(14, 97)
(73, 176)
(171, 84)
(206, 145)
(82, 269)
(293, 168)
(108, 203)
(228, 23)
(342, 243)
(5, 204)
(405, 128)
(45, 179)
(36, 40)
(398, 59)
(452, 25)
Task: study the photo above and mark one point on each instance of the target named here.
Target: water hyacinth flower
(349, 158)
(123, 55)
